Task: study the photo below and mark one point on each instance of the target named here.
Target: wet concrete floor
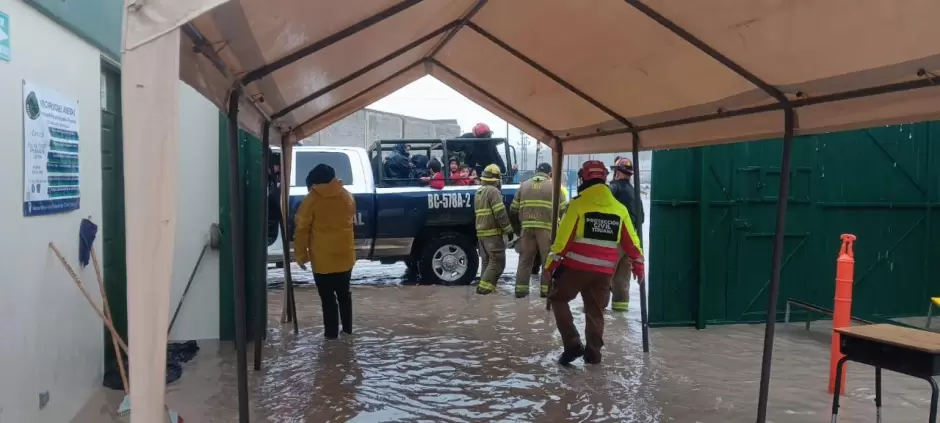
(444, 354)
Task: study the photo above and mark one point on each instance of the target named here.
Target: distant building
(364, 127)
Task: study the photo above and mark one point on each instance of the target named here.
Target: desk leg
(933, 400)
(835, 392)
(878, 394)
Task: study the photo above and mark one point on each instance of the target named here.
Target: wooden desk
(903, 350)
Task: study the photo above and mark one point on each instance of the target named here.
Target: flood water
(444, 354)
(434, 353)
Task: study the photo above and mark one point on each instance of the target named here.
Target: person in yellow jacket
(324, 236)
(594, 233)
(531, 217)
(492, 223)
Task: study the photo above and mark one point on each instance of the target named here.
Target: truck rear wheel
(449, 258)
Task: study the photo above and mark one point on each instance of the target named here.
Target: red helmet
(593, 169)
(481, 129)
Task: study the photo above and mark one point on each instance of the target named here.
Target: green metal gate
(254, 201)
(713, 219)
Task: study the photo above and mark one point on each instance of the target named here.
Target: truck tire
(448, 258)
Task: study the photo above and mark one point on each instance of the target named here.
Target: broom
(125, 407)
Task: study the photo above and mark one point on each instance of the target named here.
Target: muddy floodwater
(444, 354)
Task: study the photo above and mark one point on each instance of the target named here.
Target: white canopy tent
(585, 76)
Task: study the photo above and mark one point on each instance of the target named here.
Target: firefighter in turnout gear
(594, 233)
(622, 189)
(531, 210)
(492, 223)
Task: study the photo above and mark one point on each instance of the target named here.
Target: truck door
(348, 169)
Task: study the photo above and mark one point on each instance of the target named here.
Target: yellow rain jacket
(323, 231)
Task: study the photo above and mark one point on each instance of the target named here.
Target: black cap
(321, 174)
(544, 168)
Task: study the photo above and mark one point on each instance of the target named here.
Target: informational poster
(5, 52)
(50, 152)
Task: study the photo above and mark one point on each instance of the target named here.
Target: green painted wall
(96, 21)
(711, 264)
(254, 203)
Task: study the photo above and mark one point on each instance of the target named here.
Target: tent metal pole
(550, 75)
(464, 20)
(558, 153)
(360, 94)
(638, 199)
(289, 308)
(261, 317)
(708, 50)
(346, 79)
(545, 132)
(331, 39)
(775, 265)
(238, 254)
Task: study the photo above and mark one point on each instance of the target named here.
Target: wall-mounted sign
(4, 37)
(50, 152)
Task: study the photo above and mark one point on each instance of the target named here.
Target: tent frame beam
(546, 133)
(329, 40)
(385, 59)
(544, 71)
(361, 93)
(464, 20)
(205, 48)
(711, 52)
(794, 104)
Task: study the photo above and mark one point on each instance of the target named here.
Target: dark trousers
(595, 291)
(336, 300)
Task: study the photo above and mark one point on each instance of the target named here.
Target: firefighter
(531, 210)
(622, 189)
(492, 224)
(595, 230)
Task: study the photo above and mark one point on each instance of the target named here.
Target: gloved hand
(639, 271)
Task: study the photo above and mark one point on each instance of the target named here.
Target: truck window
(305, 161)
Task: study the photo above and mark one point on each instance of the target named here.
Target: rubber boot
(571, 354)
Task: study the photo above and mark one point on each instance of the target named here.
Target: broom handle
(107, 313)
(78, 283)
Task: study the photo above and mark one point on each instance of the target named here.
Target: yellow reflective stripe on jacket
(488, 232)
(484, 212)
(515, 203)
(535, 224)
(497, 207)
(536, 203)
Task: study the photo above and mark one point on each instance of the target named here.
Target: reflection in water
(444, 354)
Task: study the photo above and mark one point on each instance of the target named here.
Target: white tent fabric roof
(621, 66)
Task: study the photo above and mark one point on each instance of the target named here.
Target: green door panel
(713, 220)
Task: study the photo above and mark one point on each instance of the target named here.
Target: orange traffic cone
(842, 307)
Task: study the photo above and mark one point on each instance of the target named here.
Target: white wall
(198, 207)
(51, 339)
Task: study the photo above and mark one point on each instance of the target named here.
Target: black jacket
(622, 190)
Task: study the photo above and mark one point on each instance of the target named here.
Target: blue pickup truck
(430, 230)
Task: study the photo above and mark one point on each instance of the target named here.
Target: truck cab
(401, 219)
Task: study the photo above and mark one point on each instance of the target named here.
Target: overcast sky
(428, 98)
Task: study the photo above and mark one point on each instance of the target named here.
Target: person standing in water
(324, 236)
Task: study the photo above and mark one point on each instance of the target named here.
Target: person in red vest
(591, 237)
